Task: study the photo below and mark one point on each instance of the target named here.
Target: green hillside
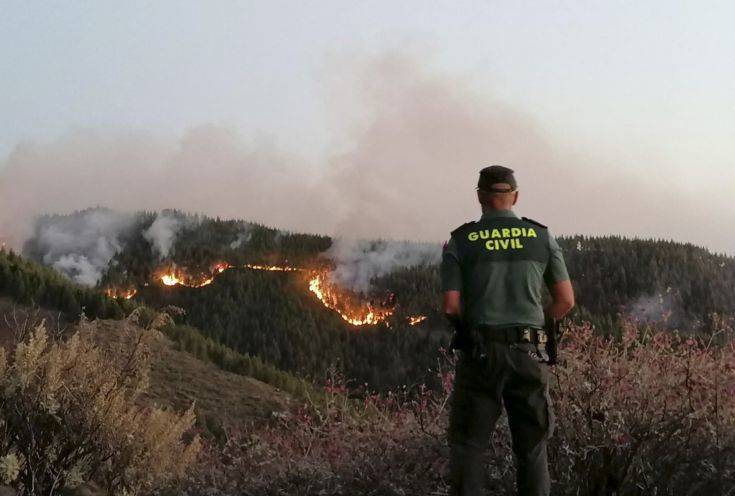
(24, 304)
(274, 316)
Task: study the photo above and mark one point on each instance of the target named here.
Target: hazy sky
(635, 97)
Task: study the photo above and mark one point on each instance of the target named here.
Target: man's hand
(452, 311)
(452, 303)
(562, 300)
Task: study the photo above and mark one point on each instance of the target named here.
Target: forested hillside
(27, 287)
(272, 315)
(31, 283)
(251, 287)
(675, 284)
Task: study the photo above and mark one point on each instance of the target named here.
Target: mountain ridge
(278, 316)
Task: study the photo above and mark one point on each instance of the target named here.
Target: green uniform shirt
(500, 265)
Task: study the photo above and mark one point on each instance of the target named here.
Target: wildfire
(344, 303)
(175, 276)
(121, 293)
(416, 319)
(363, 315)
(221, 267)
(278, 268)
(170, 279)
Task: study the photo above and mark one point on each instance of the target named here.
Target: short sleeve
(556, 269)
(451, 273)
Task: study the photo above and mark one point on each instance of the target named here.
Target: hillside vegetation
(31, 283)
(650, 414)
(72, 412)
(640, 409)
(272, 315)
(17, 317)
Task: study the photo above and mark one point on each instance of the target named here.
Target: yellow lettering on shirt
(503, 238)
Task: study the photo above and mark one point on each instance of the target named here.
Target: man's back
(500, 265)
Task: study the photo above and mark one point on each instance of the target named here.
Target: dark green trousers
(508, 378)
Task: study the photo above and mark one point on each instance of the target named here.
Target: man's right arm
(557, 280)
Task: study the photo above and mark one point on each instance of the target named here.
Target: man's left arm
(557, 280)
(451, 280)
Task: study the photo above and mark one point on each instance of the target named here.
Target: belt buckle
(525, 335)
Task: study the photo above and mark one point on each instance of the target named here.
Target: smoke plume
(81, 246)
(162, 233)
(242, 238)
(408, 145)
(659, 309)
(358, 262)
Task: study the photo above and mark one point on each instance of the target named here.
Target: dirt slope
(223, 399)
(178, 379)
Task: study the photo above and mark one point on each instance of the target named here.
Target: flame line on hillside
(330, 296)
(121, 293)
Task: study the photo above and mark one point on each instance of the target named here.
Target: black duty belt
(510, 335)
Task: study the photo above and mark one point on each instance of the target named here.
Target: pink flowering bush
(650, 413)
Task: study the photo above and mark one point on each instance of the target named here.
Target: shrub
(650, 413)
(653, 413)
(69, 414)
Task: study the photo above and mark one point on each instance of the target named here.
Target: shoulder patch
(463, 226)
(534, 222)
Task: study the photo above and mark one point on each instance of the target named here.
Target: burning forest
(348, 305)
(124, 293)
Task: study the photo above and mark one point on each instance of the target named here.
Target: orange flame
(362, 315)
(279, 268)
(416, 319)
(177, 278)
(170, 279)
(121, 293)
(221, 267)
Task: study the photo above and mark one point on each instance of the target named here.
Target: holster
(460, 338)
(466, 338)
(552, 328)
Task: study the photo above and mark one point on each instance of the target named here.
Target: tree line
(272, 315)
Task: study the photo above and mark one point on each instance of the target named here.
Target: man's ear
(515, 198)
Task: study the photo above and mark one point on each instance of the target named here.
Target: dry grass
(178, 379)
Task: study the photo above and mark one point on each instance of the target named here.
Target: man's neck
(491, 210)
(491, 213)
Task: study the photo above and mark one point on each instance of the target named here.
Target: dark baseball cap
(497, 175)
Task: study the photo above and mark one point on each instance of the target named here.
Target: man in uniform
(493, 272)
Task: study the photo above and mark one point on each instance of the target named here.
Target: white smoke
(79, 268)
(81, 246)
(656, 309)
(162, 233)
(359, 261)
(242, 238)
